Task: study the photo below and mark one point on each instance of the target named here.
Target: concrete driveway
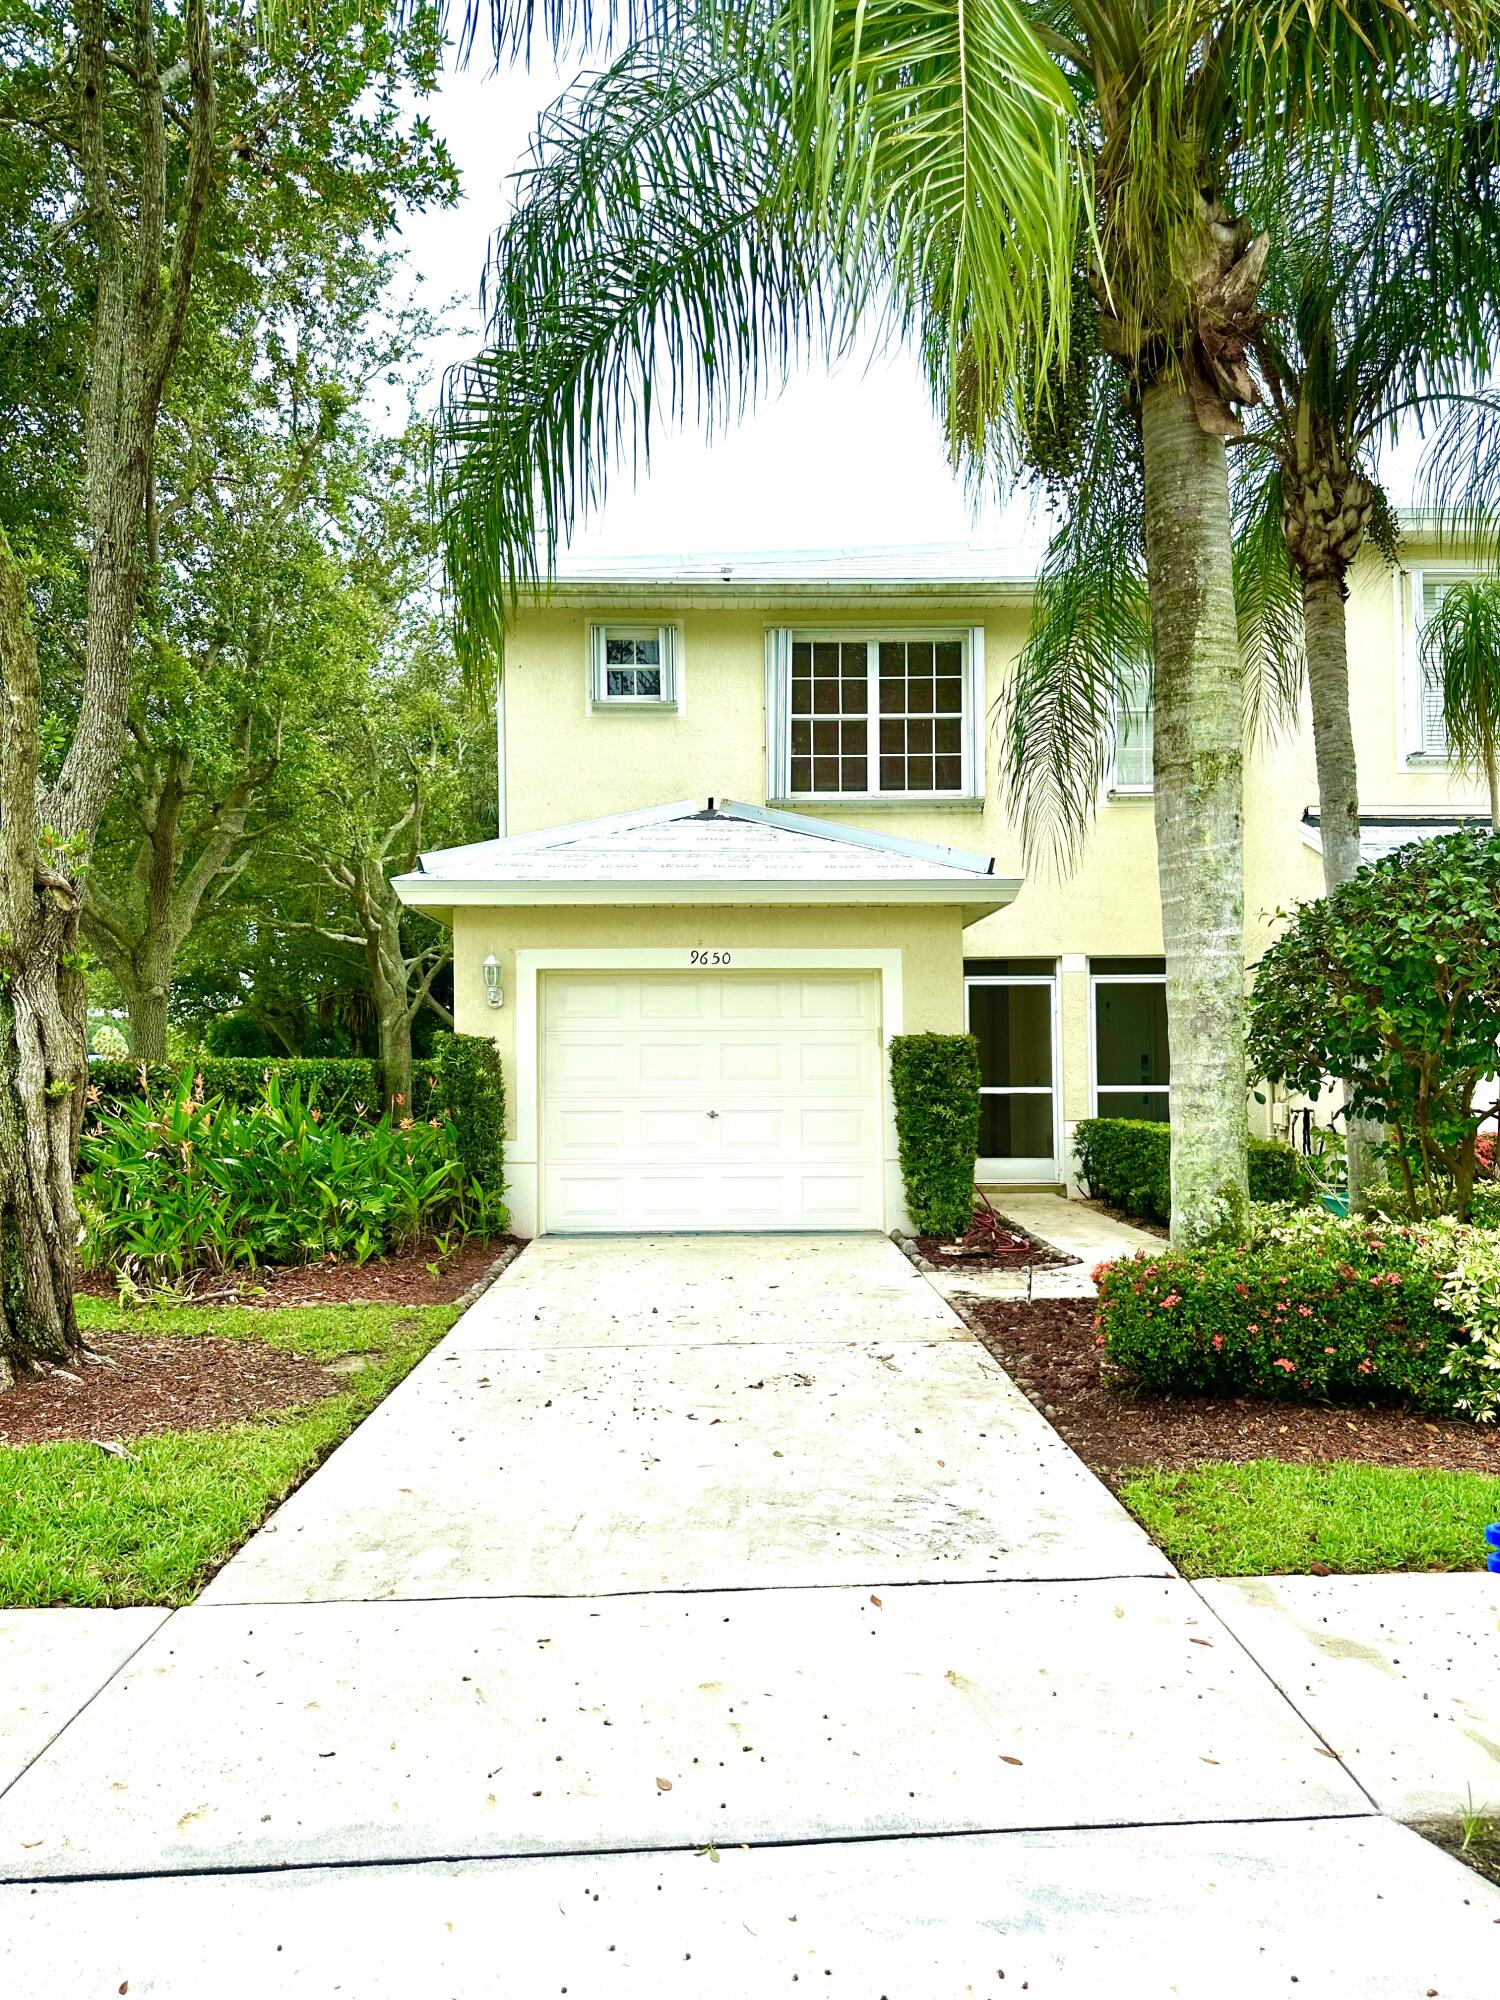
(708, 1615)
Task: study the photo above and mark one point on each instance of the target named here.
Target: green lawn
(80, 1527)
(1265, 1517)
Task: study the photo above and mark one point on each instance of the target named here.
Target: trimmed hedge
(935, 1082)
(468, 1091)
(1351, 1316)
(1127, 1162)
(343, 1087)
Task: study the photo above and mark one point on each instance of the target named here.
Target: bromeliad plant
(180, 1183)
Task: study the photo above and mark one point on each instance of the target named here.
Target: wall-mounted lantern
(494, 993)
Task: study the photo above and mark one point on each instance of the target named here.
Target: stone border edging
(476, 1291)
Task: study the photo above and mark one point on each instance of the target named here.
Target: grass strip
(1266, 1518)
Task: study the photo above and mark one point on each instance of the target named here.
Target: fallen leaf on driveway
(1008, 1760)
(664, 1784)
(877, 1603)
(1208, 1760)
(1200, 1642)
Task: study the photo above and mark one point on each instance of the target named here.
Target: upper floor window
(1427, 733)
(875, 715)
(1133, 729)
(633, 666)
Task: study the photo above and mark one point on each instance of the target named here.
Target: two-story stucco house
(751, 830)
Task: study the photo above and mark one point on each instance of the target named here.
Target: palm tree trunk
(1325, 619)
(1199, 811)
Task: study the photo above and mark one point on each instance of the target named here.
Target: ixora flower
(1172, 1299)
(1097, 1276)
(1289, 1366)
(1218, 1342)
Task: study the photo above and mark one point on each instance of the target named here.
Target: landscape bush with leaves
(347, 1088)
(181, 1182)
(935, 1082)
(1127, 1162)
(1316, 1308)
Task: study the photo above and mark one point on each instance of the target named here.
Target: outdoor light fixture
(494, 993)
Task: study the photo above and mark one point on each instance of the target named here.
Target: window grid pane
(921, 715)
(633, 667)
(830, 715)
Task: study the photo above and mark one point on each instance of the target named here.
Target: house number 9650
(708, 958)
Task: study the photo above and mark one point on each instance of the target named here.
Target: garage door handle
(713, 1114)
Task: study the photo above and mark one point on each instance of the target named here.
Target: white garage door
(731, 1100)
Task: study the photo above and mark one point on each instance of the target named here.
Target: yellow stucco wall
(567, 762)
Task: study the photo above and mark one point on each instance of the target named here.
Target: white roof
(920, 562)
(1381, 834)
(721, 852)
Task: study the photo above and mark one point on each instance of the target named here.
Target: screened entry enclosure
(1132, 1071)
(1013, 1017)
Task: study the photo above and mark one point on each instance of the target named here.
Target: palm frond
(1459, 476)
(1461, 651)
(946, 134)
(1267, 602)
(658, 263)
(1089, 644)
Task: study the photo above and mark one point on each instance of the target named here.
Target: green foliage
(1316, 1308)
(1461, 651)
(346, 1089)
(176, 1184)
(1265, 1518)
(468, 1094)
(935, 1081)
(1127, 1162)
(80, 1527)
(1392, 982)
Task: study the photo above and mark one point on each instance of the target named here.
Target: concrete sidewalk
(705, 1615)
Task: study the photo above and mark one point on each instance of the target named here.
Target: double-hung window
(1133, 732)
(1427, 733)
(875, 715)
(633, 666)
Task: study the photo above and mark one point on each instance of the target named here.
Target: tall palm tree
(749, 178)
(1461, 651)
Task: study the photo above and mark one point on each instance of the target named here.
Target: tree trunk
(1199, 811)
(1325, 619)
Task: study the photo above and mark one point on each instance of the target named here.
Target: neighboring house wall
(572, 757)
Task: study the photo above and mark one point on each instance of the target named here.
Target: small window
(1429, 733)
(633, 666)
(1133, 732)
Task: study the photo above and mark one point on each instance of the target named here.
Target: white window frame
(1414, 746)
(669, 645)
(779, 640)
(1108, 1090)
(1118, 786)
(997, 1171)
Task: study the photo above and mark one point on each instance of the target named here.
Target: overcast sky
(851, 458)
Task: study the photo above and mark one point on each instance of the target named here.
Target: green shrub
(1315, 1309)
(176, 1183)
(468, 1094)
(347, 1087)
(1127, 1162)
(935, 1082)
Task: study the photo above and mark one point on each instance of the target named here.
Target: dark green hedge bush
(1293, 1321)
(468, 1090)
(935, 1082)
(338, 1085)
(1127, 1162)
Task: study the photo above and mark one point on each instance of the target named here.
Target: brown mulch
(394, 1281)
(1005, 1246)
(1050, 1349)
(129, 1386)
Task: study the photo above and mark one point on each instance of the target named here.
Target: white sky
(848, 458)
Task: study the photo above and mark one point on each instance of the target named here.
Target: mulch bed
(392, 1281)
(1120, 1215)
(1005, 1246)
(129, 1386)
(1049, 1348)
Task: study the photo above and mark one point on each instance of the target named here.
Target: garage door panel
(711, 1101)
